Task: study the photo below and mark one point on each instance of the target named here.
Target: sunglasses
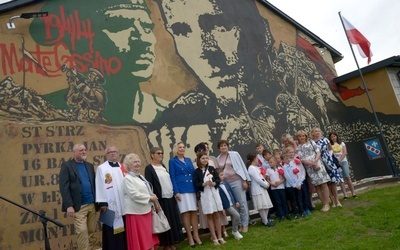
(159, 153)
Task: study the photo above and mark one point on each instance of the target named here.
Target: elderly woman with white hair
(138, 198)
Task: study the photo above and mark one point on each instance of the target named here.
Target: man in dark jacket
(77, 188)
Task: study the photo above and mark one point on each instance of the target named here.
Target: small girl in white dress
(206, 181)
(259, 186)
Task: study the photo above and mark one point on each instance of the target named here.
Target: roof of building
(336, 55)
(391, 61)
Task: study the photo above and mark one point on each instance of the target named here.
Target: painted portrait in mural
(125, 30)
(250, 88)
(114, 38)
(143, 73)
(254, 94)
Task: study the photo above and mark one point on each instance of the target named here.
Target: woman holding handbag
(138, 201)
(326, 157)
(158, 176)
(311, 158)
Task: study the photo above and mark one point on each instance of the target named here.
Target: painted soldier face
(131, 31)
(210, 50)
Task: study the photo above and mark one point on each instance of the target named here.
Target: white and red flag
(29, 56)
(355, 37)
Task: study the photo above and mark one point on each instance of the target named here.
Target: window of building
(394, 77)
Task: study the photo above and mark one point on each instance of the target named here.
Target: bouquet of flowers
(280, 171)
(297, 160)
(296, 171)
(210, 176)
(263, 172)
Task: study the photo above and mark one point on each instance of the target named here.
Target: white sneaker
(237, 235)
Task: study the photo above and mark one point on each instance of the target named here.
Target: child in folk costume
(229, 204)
(259, 193)
(206, 181)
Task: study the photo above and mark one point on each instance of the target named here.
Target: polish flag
(355, 37)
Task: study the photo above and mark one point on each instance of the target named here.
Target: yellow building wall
(380, 90)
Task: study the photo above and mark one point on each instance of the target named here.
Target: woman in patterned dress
(326, 156)
(311, 157)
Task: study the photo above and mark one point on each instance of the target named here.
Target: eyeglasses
(159, 153)
(112, 152)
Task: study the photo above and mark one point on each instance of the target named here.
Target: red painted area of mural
(346, 93)
(325, 71)
(71, 24)
(48, 63)
(11, 58)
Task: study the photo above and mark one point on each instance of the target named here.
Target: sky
(377, 20)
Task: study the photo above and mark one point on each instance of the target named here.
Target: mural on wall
(150, 73)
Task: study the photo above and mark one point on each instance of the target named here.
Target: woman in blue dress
(326, 156)
(181, 171)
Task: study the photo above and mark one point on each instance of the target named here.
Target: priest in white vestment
(109, 196)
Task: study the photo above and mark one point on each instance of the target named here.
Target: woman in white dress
(206, 181)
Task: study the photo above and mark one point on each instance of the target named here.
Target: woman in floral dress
(310, 155)
(326, 156)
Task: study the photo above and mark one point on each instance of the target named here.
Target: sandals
(222, 241)
(325, 208)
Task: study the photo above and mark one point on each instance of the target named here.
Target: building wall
(152, 73)
(394, 77)
(381, 91)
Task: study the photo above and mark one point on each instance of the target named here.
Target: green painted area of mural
(114, 37)
(57, 99)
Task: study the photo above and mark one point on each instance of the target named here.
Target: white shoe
(221, 241)
(237, 235)
(215, 242)
(226, 235)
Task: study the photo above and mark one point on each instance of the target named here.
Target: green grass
(370, 222)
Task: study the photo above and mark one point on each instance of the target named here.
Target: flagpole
(389, 159)
(23, 72)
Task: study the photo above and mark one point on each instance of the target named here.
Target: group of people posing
(203, 190)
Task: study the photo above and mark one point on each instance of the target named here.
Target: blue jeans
(345, 169)
(240, 195)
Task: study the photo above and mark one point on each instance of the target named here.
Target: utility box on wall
(373, 161)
